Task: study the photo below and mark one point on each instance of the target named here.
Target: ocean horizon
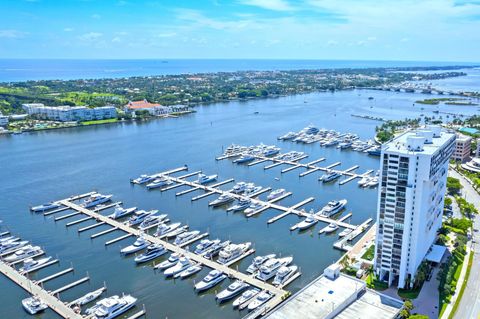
(18, 70)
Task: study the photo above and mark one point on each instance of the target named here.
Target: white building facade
(68, 113)
(413, 172)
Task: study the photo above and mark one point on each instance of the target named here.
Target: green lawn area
(464, 285)
(99, 122)
(409, 293)
(368, 255)
(374, 283)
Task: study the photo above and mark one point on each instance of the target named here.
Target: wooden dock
(35, 289)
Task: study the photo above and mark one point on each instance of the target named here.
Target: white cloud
(116, 40)
(96, 16)
(68, 29)
(11, 34)
(166, 35)
(90, 36)
(275, 5)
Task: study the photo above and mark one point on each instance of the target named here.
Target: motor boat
(31, 264)
(176, 232)
(232, 290)
(241, 204)
(270, 268)
(259, 261)
(239, 188)
(259, 300)
(375, 151)
(25, 252)
(190, 271)
(44, 207)
(163, 229)
(331, 228)
(34, 305)
(364, 180)
(213, 278)
(329, 177)
(232, 251)
(245, 297)
(283, 274)
(215, 249)
(170, 262)
(222, 200)
(333, 207)
(373, 182)
(345, 232)
(139, 244)
(120, 212)
(253, 208)
(344, 145)
(96, 199)
(288, 136)
(153, 251)
(276, 193)
(143, 179)
(89, 297)
(271, 150)
(159, 182)
(7, 239)
(252, 189)
(245, 158)
(205, 179)
(11, 246)
(152, 220)
(308, 222)
(205, 245)
(185, 237)
(113, 307)
(182, 264)
(139, 216)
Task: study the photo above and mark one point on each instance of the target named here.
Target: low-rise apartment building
(69, 113)
(463, 148)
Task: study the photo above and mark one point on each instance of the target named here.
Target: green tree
(453, 185)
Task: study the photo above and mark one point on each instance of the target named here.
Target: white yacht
(121, 212)
(25, 252)
(345, 232)
(205, 245)
(251, 189)
(190, 271)
(89, 297)
(276, 193)
(245, 297)
(152, 220)
(34, 305)
(159, 182)
(112, 307)
(182, 264)
(241, 204)
(153, 251)
(232, 290)
(259, 261)
(205, 179)
(308, 222)
(7, 239)
(44, 207)
(333, 207)
(331, 228)
(163, 229)
(139, 244)
(364, 180)
(373, 182)
(215, 249)
(269, 269)
(254, 207)
(232, 252)
(239, 188)
(30, 265)
(95, 200)
(259, 300)
(213, 278)
(185, 237)
(283, 274)
(143, 179)
(176, 232)
(222, 200)
(12, 245)
(139, 216)
(288, 136)
(170, 262)
(330, 176)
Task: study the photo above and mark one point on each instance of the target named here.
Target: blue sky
(431, 30)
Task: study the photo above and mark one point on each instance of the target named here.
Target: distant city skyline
(431, 30)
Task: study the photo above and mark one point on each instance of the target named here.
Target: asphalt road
(469, 307)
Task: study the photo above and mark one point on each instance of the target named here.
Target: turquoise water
(44, 166)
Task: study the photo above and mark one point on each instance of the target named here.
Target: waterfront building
(463, 148)
(3, 120)
(69, 113)
(153, 108)
(413, 171)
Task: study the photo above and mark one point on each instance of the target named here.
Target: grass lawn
(99, 122)
(374, 283)
(409, 293)
(368, 255)
(464, 285)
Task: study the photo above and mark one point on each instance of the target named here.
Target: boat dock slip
(186, 175)
(78, 221)
(264, 190)
(173, 248)
(194, 240)
(58, 274)
(202, 196)
(188, 191)
(36, 290)
(137, 315)
(21, 260)
(90, 227)
(257, 162)
(103, 232)
(67, 216)
(113, 241)
(58, 210)
(222, 182)
(347, 180)
(71, 285)
(51, 262)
